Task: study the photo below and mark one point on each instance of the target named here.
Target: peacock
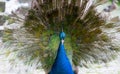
(61, 64)
(85, 42)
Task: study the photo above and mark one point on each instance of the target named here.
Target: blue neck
(61, 64)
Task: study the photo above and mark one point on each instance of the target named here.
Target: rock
(14, 5)
(2, 6)
(12, 26)
(25, 1)
(2, 19)
(1, 33)
(1, 28)
(115, 19)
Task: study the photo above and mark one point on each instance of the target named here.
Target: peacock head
(62, 36)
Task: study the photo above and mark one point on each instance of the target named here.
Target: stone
(2, 28)
(2, 19)
(2, 6)
(115, 19)
(1, 33)
(23, 11)
(25, 1)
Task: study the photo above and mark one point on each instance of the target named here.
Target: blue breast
(61, 64)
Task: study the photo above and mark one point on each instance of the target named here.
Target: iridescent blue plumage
(62, 36)
(61, 64)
